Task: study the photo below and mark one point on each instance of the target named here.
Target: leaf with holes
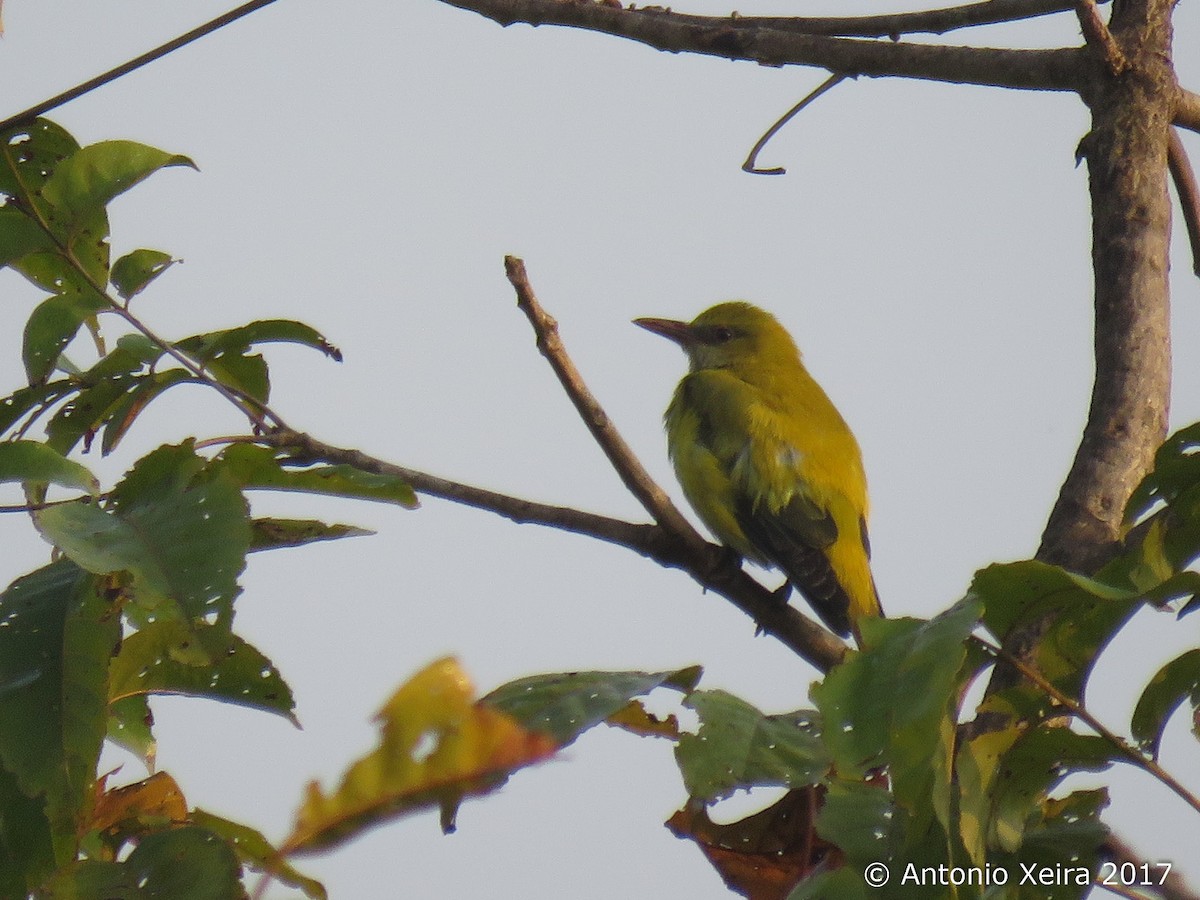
(436, 746)
(176, 524)
(200, 660)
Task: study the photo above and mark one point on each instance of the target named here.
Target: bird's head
(730, 335)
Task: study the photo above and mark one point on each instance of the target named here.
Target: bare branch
(708, 564)
(744, 38)
(1188, 191)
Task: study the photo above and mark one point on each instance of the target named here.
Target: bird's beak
(679, 332)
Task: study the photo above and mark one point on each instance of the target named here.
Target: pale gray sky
(365, 167)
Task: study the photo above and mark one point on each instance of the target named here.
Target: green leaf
(261, 468)
(1176, 470)
(30, 461)
(29, 152)
(55, 645)
(34, 398)
(1084, 615)
(19, 236)
(844, 883)
(179, 527)
(188, 863)
(78, 418)
(1175, 682)
(90, 177)
(134, 271)
(130, 725)
(237, 341)
(255, 851)
(860, 819)
(26, 844)
(566, 705)
(271, 533)
(170, 657)
(1037, 761)
(739, 747)
(120, 416)
(53, 324)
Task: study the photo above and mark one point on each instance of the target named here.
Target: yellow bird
(768, 462)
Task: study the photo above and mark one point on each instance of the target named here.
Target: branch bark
(707, 563)
(761, 41)
(1126, 153)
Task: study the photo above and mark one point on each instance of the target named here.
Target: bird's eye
(722, 334)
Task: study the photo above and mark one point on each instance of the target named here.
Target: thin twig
(635, 477)
(47, 504)
(1099, 38)
(91, 84)
(751, 163)
(1184, 177)
(1122, 746)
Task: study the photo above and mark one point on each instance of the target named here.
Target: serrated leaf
(436, 746)
(178, 527)
(1177, 681)
(255, 851)
(135, 270)
(90, 177)
(52, 325)
(188, 863)
(261, 468)
(271, 533)
(31, 461)
(738, 747)
(200, 660)
(566, 705)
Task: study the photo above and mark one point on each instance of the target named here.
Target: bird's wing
(797, 538)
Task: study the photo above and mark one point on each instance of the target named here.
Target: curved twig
(751, 163)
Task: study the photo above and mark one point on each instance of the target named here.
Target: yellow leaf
(157, 797)
(436, 746)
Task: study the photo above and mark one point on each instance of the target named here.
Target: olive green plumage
(767, 461)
